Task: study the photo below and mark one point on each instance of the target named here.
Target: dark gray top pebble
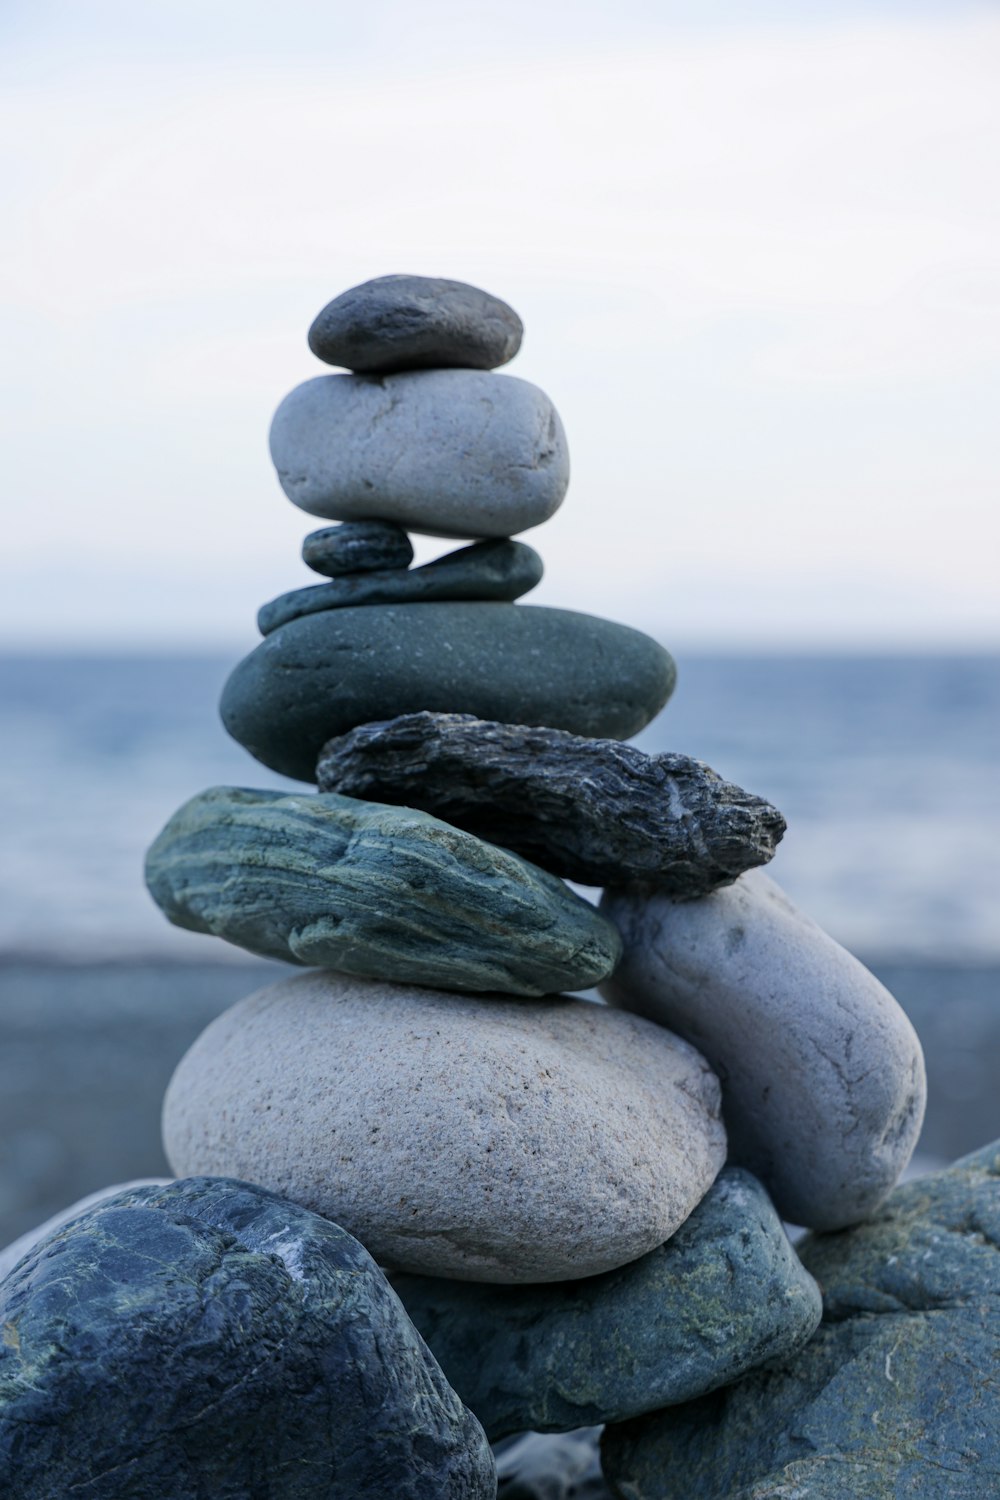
(357, 547)
(415, 323)
(208, 1338)
(487, 570)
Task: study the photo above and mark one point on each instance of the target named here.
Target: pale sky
(756, 248)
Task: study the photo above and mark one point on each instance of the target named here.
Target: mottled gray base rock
(519, 663)
(383, 892)
(593, 811)
(415, 323)
(725, 1293)
(208, 1339)
(357, 547)
(551, 1466)
(487, 570)
(897, 1394)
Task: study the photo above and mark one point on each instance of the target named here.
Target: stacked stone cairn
(427, 1199)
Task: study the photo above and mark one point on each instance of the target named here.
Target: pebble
(486, 570)
(593, 811)
(357, 547)
(321, 675)
(448, 452)
(822, 1073)
(415, 323)
(547, 1466)
(385, 892)
(206, 1338)
(895, 1395)
(724, 1294)
(500, 1140)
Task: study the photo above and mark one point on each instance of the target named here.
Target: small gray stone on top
(415, 323)
(357, 547)
(486, 570)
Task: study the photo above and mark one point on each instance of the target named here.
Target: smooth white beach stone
(822, 1074)
(460, 453)
(485, 1139)
(20, 1247)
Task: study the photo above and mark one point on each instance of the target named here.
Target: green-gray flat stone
(897, 1394)
(357, 547)
(381, 892)
(487, 570)
(724, 1293)
(319, 676)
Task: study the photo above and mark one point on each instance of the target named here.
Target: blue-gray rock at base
(322, 675)
(208, 1339)
(487, 570)
(897, 1394)
(357, 547)
(551, 1466)
(415, 323)
(378, 892)
(725, 1293)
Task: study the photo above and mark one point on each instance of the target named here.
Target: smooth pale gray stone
(415, 323)
(896, 1395)
(447, 452)
(385, 892)
(593, 811)
(822, 1073)
(724, 1294)
(14, 1252)
(500, 1140)
(520, 663)
(486, 570)
(551, 1466)
(357, 547)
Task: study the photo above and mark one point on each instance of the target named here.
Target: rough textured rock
(725, 1293)
(593, 811)
(486, 570)
(448, 452)
(509, 1140)
(357, 547)
(320, 676)
(563, 1466)
(822, 1074)
(415, 323)
(378, 891)
(206, 1338)
(897, 1394)
(10, 1256)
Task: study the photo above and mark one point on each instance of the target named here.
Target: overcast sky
(756, 248)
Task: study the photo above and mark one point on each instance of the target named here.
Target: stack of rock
(577, 1204)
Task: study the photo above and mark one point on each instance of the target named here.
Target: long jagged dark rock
(590, 810)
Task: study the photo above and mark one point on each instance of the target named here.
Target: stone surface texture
(897, 1395)
(448, 452)
(822, 1074)
(377, 891)
(207, 1339)
(321, 675)
(593, 811)
(13, 1252)
(357, 547)
(551, 1466)
(500, 1140)
(724, 1294)
(415, 323)
(486, 570)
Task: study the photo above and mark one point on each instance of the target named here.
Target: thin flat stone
(593, 811)
(210, 1339)
(447, 452)
(725, 1293)
(897, 1394)
(357, 547)
(321, 675)
(415, 323)
(503, 1140)
(486, 570)
(384, 892)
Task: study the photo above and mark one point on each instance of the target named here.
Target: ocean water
(886, 769)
